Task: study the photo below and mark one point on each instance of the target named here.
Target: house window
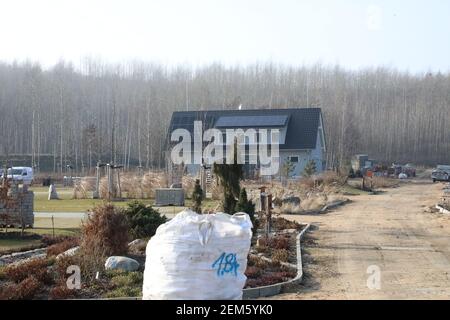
(293, 159)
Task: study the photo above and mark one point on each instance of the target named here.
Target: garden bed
(272, 260)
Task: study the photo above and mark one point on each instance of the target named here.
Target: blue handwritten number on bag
(226, 263)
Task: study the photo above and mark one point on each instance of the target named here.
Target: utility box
(169, 197)
(359, 161)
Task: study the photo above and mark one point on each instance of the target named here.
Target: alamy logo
(74, 280)
(262, 146)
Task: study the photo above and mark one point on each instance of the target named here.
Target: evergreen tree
(230, 176)
(287, 169)
(197, 197)
(245, 205)
(309, 169)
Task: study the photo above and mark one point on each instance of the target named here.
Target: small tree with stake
(310, 168)
(286, 170)
(230, 176)
(197, 197)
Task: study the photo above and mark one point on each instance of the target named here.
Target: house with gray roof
(301, 131)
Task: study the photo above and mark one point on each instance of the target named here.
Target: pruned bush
(25, 290)
(2, 273)
(279, 242)
(276, 242)
(50, 240)
(36, 267)
(280, 255)
(280, 223)
(269, 279)
(105, 232)
(143, 219)
(61, 292)
(252, 272)
(255, 261)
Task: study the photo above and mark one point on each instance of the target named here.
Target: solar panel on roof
(251, 121)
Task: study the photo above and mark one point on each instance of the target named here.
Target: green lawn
(70, 226)
(42, 226)
(18, 244)
(67, 204)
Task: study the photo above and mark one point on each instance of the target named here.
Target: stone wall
(17, 208)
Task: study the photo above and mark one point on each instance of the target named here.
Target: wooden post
(269, 214)
(108, 172)
(119, 191)
(53, 226)
(96, 194)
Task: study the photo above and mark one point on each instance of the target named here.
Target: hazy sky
(406, 34)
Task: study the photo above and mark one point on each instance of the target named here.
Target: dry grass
(216, 190)
(383, 182)
(188, 183)
(135, 186)
(313, 203)
(83, 187)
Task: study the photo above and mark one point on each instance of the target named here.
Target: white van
(22, 175)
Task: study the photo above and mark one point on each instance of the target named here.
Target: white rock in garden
(122, 263)
(52, 194)
(69, 253)
(137, 245)
(289, 231)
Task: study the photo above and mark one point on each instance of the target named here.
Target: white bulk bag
(198, 257)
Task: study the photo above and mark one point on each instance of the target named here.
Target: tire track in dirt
(390, 230)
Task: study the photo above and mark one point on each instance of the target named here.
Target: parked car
(441, 173)
(22, 175)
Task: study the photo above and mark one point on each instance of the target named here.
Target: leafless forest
(121, 112)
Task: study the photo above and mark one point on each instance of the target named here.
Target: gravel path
(393, 232)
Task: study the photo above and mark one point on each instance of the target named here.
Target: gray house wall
(317, 155)
(304, 157)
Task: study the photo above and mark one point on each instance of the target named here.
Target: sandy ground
(392, 231)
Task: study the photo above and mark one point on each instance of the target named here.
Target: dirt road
(390, 232)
